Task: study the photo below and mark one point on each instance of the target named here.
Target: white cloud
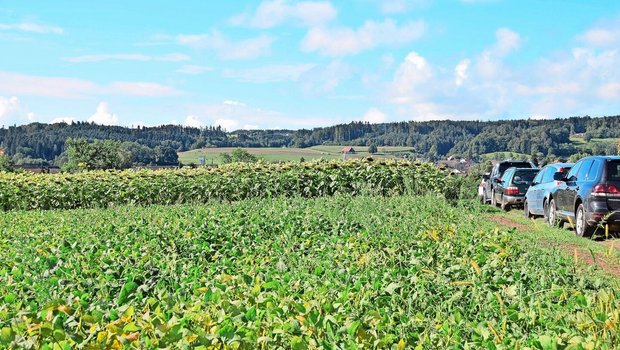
(271, 13)
(400, 6)
(173, 57)
(234, 103)
(374, 116)
(414, 72)
(460, 72)
(489, 64)
(194, 69)
(227, 124)
(31, 28)
(224, 47)
(507, 41)
(341, 41)
(233, 115)
(103, 115)
(193, 121)
(62, 87)
(21, 84)
(610, 91)
(323, 79)
(11, 109)
(270, 74)
(603, 35)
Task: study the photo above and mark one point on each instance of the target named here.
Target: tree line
(37, 142)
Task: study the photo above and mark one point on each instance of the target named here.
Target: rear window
(613, 171)
(524, 177)
(504, 166)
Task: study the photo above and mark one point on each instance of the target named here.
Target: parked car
(589, 195)
(511, 189)
(537, 197)
(483, 182)
(498, 171)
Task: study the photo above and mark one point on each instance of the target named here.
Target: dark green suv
(511, 188)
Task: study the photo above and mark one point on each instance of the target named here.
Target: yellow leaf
(93, 328)
(463, 283)
(401, 344)
(474, 264)
(102, 336)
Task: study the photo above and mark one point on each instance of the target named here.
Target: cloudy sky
(302, 64)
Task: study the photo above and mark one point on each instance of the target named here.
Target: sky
(274, 64)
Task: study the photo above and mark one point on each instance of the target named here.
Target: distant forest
(431, 139)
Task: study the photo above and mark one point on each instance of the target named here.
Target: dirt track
(581, 254)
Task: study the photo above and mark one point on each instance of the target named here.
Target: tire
(526, 210)
(552, 218)
(582, 229)
(505, 206)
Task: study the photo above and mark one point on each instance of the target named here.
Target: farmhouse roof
(348, 149)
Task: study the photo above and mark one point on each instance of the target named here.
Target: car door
(560, 195)
(534, 194)
(574, 184)
(501, 185)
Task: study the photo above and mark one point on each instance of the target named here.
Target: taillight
(512, 190)
(606, 190)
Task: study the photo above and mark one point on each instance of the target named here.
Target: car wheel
(551, 214)
(582, 229)
(505, 206)
(526, 210)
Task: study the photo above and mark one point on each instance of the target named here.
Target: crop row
(101, 189)
(333, 273)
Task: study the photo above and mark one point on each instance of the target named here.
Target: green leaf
(391, 288)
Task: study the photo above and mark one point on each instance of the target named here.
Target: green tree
(240, 155)
(6, 163)
(166, 155)
(225, 158)
(84, 155)
(372, 149)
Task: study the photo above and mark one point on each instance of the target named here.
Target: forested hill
(429, 139)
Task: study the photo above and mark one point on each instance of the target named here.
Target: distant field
(504, 155)
(285, 154)
(360, 149)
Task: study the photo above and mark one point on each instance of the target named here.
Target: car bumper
(512, 200)
(604, 218)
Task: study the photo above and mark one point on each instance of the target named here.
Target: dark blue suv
(589, 195)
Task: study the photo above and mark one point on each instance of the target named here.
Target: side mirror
(558, 176)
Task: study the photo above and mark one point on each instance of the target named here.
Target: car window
(595, 170)
(507, 175)
(583, 170)
(549, 174)
(539, 176)
(613, 171)
(572, 174)
(523, 177)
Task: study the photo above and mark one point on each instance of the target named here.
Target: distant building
(348, 150)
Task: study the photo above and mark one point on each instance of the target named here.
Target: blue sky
(304, 64)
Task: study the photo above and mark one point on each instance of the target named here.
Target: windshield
(524, 177)
(613, 171)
